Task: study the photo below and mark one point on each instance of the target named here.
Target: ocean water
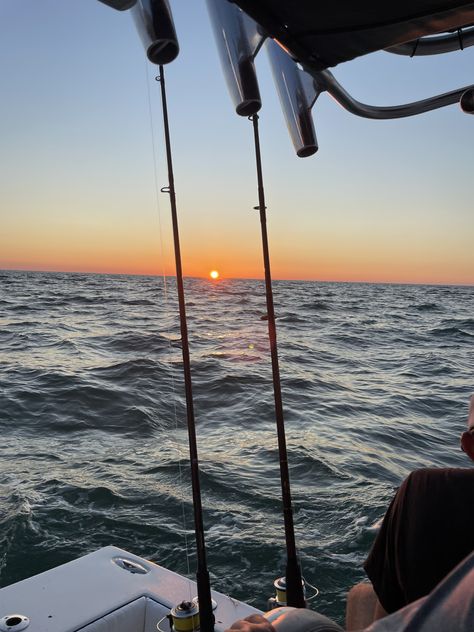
(376, 380)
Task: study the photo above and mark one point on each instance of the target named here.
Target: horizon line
(235, 278)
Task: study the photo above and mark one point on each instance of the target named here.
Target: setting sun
(214, 274)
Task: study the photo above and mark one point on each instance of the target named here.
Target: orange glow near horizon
(130, 249)
(323, 274)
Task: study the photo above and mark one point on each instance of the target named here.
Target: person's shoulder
(428, 476)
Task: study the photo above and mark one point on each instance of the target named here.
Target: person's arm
(467, 437)
(286, 620)
(362, 607)
(253, 623)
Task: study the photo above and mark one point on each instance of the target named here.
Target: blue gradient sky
(380, 201)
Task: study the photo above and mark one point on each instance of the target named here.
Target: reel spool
(185, 616)
(279, 600)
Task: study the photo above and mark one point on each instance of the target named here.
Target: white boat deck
(96, 594)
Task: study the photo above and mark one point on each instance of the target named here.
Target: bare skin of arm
(363, 607)
(253, 623)
(467, 438)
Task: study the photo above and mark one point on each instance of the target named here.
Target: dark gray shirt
(448, 608)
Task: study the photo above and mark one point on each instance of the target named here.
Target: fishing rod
(154, 22)
(294, 585)
(206, 616)
(238, 40)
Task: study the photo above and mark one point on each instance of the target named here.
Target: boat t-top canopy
(321, 35)
(305, 38)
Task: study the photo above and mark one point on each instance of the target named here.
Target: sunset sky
(381, 201)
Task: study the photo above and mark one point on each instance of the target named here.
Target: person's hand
(253, 623)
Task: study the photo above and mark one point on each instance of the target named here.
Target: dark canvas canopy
(324, 34)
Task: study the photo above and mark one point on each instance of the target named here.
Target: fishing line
(315, 590)
(155, 178)
(294, 588)
(167, 311)
(306, 583)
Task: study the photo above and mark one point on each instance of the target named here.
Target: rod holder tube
(120, 5)
(467, 101)
(155, 26)
(237, 40)
(297, 93)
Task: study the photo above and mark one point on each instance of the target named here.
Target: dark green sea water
(376, 380)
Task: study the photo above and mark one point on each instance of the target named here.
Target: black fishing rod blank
(294, 587)
(206, 616)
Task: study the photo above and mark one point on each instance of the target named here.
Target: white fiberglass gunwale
(96, 593)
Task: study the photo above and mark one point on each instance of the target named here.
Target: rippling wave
(375, 383)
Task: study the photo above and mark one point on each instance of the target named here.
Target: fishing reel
(279, 600)
(286, 619)
(184, 617)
